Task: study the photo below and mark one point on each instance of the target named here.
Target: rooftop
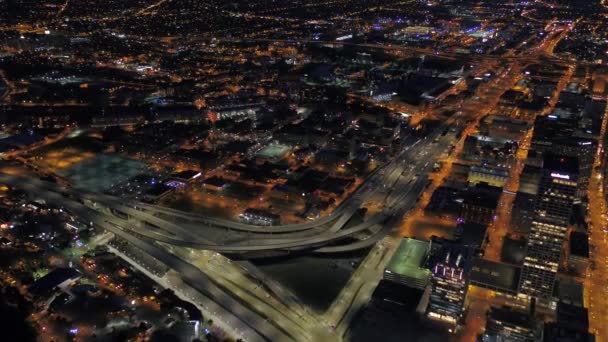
(53, 279)
(495, 275)
(273, 151)
(579, 244)
(102, 172)
(561, 164)
(573, 316)
(261, 213)
(498, 171)
(472, 234)
(569, 291)
(394, 293)
(449, 253)
(483, 196)
(506, 314)
(556, 332)
(409, 258)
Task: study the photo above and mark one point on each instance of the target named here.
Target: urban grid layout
(305, 171)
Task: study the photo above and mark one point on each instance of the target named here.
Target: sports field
(273, 152)
(102, 171)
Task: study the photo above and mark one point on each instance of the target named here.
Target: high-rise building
(556, 192)
(553, 134)
(450, 265)
(556, 332)
(506, 324)
(572, 316)
(553, 208)
(522, 212)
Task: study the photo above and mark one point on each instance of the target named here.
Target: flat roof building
(522, 212)
(215, 183)
(503, 127)
(573, 316)
(507, 324)
(445, 200)
(186, 175)
(58, 278)
(555, 332)
(578, 252)
(472, 235)
(495, 276)
(494, 176)
(569, 291)
(407, 264)
(479, 204)
(260, 217)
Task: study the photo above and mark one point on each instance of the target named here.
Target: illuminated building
(450, 264)
(215, 184)
(494, 176)
(558, 135)
(260, 217)
(522, 212)
(407, 264)
(503, 127)
(479, 204)
(556, 195)
(506, 324)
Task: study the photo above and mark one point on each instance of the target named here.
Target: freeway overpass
(400, 176)
(397, 186)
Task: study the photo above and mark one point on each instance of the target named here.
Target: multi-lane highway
(398, 185)
(160, 231)
(395, 187)
(404, 177)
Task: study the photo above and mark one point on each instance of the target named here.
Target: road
(397, 186)
(596, 282)
(256, 327)
(256, 322)
(418, 159)
(5, 86)
(171, 281)
(357, 292)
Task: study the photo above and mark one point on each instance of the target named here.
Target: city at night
(303, 171)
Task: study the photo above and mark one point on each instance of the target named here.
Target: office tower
(553, 208)
(553, 134)
(450, 264)
(506, 324)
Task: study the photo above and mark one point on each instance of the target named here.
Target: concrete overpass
(404, 184)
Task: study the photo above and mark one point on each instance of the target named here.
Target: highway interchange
(158, 230)
(170, 236)
(177, 238)
(401, 181)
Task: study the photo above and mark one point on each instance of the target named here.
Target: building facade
(553, 208)
(450, 266)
